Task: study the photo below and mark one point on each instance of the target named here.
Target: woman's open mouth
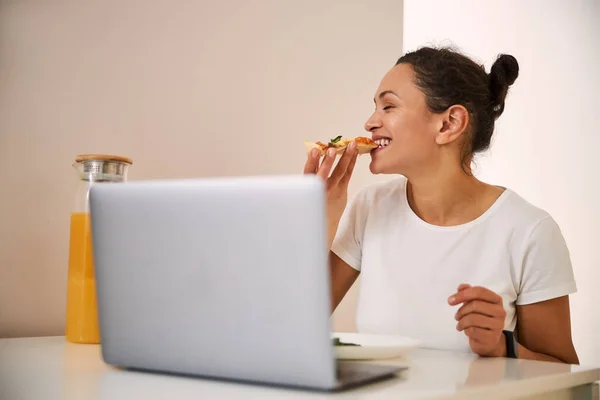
(382, 144)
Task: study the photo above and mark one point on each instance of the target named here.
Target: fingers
(343, 164)
(325, 168)
(346, 178)
(343, 170)
(479, 321)
(480, 307)
(474, 293)
(481, 317)
(312, 163)
(483, 336)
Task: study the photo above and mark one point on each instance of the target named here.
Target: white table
(50, 368)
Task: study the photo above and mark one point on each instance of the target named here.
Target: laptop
(222, 278)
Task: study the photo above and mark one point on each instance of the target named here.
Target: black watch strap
(511, 344)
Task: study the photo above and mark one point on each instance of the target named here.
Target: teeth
(382, 142)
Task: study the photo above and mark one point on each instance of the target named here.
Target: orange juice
(82, 313)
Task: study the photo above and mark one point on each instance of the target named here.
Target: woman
(443, 256)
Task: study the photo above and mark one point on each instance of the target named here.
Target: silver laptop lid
(217, 277)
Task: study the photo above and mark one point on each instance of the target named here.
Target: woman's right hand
(336, 182)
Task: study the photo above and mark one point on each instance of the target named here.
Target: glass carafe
(82, 314)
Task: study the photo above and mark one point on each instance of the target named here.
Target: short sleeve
(547, 271)
(347, 243)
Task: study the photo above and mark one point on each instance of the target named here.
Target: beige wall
(187, 89)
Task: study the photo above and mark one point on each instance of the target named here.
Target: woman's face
(403, 125)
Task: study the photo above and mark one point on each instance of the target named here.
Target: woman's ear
(454, 122)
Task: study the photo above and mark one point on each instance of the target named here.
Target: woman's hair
(448, 78)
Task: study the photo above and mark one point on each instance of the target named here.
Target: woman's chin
(375, 167)
(379, 166)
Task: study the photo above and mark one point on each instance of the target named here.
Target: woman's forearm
(527, 354)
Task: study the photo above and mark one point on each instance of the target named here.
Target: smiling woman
(446, 258)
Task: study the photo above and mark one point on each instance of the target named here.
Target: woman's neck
(450, 197)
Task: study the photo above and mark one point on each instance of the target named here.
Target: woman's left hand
(481, 318)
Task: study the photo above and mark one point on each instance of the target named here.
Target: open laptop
(222, 278)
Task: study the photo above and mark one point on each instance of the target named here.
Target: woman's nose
(373, 122)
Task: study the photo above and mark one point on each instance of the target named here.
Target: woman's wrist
(501, 348)
(331, 232)
(330, 239)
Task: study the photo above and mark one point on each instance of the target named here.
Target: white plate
(373, 346)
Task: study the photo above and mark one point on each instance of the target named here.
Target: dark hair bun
(504, 73)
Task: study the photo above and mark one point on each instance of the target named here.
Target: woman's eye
(387, 108)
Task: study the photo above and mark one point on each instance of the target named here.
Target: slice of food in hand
(363, 144)
(318, 145)
(338, 142)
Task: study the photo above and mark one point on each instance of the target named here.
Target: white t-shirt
(409, 268)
